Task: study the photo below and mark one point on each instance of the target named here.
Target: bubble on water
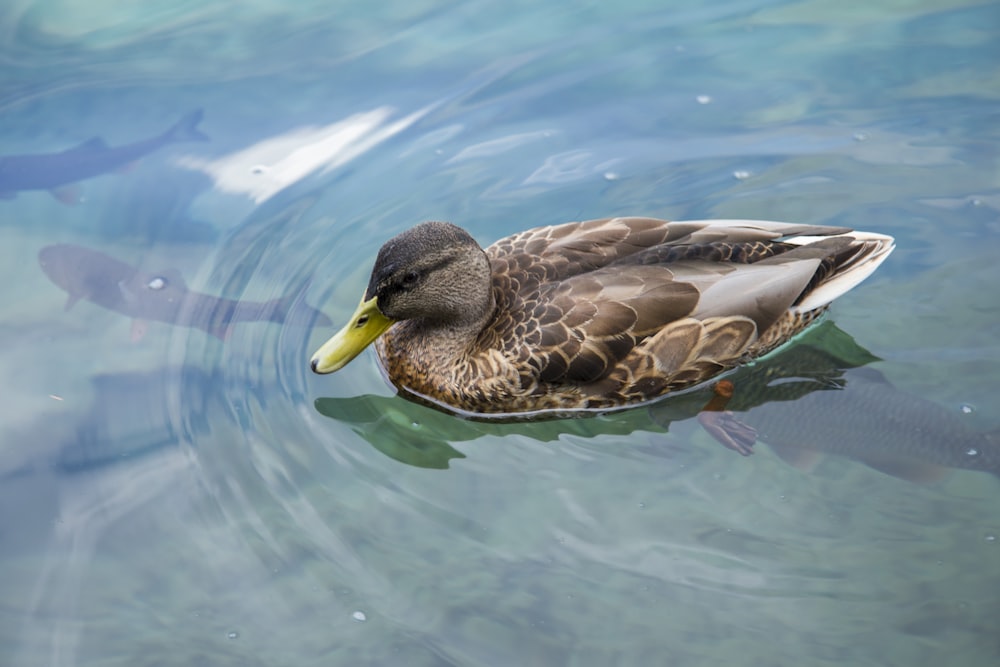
(703, 99)
(967, 408)
(990, 538)
(359, 616)
(860, 136)
(611, 176)
(972, 451)
(233, 634)
(741, 174)
(642, 506)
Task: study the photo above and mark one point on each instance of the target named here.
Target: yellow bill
(364, 327)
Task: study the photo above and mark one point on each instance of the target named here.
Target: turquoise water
(183, 500)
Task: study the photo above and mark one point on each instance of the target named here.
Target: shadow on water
(815, 397)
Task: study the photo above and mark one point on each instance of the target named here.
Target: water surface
(183, 500)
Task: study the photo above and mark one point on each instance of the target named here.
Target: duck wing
(577, 299)
(561, 251)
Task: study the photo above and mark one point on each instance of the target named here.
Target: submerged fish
(163, 296)
(817, 398)
(56, 171)
(129, 414)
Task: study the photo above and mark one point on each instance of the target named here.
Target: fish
(820, 397)
(58, 172)
(160, 296)
(129, 415)
(871, 421)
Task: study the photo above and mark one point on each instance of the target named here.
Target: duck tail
(854, 256)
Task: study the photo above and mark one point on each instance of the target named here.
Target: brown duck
(592, 315)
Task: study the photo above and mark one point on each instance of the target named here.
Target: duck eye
(410, 278)
(156, 283)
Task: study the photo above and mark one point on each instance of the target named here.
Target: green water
(185, 501)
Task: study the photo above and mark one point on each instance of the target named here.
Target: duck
(592, 315)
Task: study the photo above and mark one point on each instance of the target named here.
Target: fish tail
(186, 129)
(282, 307)
(290, 310)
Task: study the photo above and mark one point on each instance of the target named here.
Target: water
(180, 500)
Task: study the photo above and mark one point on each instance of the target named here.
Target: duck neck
(463, 317)
(455, 336)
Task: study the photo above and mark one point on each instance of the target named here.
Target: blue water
(182, 500)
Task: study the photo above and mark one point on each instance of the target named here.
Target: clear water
(180, 500)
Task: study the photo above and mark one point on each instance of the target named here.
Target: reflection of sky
(267, 167)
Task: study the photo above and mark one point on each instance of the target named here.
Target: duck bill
(364, 327)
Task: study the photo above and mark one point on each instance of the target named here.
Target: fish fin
(320, 319)
(68, 194)
(186, 128)
(283, 307)
(138, 330)
(911, 471)
(71, 301)
(799, 458)
(316, 317)
(92, 144)
(291, 309)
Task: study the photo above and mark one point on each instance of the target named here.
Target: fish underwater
(819, 397)
(163, 296)
(57, 172)
(871, 421)
(814, 398)
(130, 414)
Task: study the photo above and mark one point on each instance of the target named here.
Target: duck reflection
(816, 397)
